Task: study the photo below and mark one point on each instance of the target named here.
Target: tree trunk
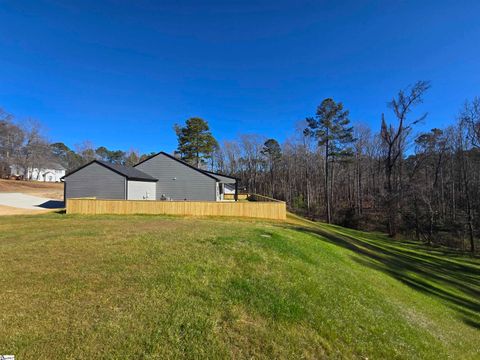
(307, 188)
(417, 222)
(471, 231)
(271, 181)
(332, 182)
(391, 222)
(327, 192)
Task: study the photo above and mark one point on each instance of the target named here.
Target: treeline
(390, 178)
(86, 152)
(422, 185)
(23, 144)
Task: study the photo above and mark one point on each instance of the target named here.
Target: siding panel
(97, 181)
(178, 181)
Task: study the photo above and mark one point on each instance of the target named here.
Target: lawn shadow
(457, 284)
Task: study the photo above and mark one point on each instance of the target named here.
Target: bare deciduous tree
(394, 140)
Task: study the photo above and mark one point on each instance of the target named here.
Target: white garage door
(141, 190)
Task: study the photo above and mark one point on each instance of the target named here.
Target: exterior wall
(141, 190)
(96, 181)
(177, 181)
(16, 171)
(218, 192)
(47, 175)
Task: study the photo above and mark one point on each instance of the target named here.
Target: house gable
(178, 180)
(95, 180)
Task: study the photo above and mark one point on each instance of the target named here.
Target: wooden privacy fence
(232, 197)
(264, 210)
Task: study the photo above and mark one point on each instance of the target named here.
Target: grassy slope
(86, 287)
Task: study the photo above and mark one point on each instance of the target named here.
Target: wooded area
(23, 143)
(423, 185)
(389, 178)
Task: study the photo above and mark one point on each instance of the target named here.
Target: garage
(141, 190)
(102, 180)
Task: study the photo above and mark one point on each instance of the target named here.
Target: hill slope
(141, 286)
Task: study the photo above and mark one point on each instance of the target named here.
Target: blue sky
(121, 73)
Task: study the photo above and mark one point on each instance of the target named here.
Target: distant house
(51, 172)
(160, 177)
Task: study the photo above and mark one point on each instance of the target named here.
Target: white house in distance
(51, 172)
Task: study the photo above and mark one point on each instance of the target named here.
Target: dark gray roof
(227, 179)
(181, 162)
(129, 172)
(218, 177)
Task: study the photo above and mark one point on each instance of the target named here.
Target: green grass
(166, 287)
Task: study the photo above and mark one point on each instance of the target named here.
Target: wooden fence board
(257, 209)
(232, 197)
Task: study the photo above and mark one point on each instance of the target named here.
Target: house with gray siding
(103, 180)
(178, 180)
(159, 177)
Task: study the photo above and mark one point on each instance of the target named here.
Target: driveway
(30, 202)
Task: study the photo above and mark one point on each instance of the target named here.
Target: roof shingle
(129, 172)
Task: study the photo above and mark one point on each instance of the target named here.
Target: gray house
(103, 180)
(160, 177)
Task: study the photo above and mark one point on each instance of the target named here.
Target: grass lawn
(169, 287)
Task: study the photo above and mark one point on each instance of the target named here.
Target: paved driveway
(23, 201)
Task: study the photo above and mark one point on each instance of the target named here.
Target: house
(159, 177)
(51, 172)
(103, 180)
(178, 180)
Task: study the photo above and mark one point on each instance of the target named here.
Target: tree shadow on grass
(456, 284)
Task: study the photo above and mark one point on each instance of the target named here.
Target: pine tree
(330, 127)
(273, 153)
(195, 141)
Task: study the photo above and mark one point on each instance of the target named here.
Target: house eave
(140, 179)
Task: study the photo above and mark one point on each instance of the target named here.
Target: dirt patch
(41, 189)
(8, 210)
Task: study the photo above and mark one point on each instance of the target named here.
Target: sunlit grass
(166, 287)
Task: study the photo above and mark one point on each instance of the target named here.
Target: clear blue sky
(121, 73)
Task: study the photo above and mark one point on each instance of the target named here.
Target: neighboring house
(51, 172)
(160, 177)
